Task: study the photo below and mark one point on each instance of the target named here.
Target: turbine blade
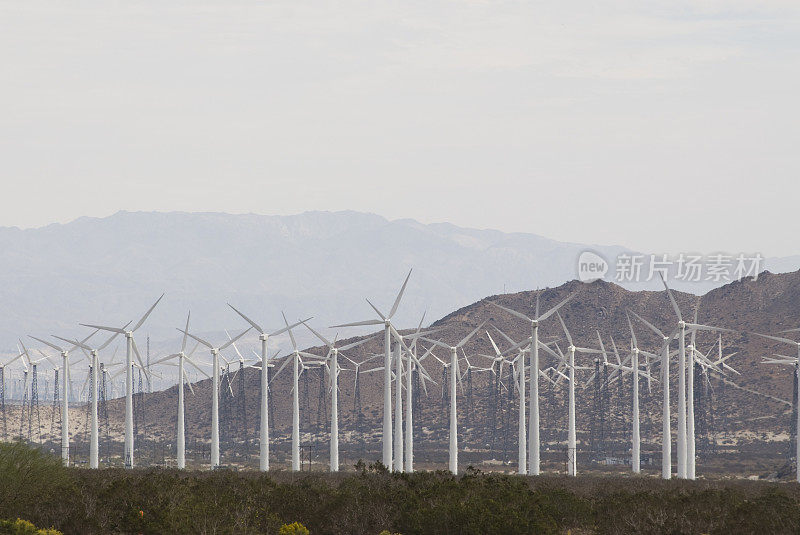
(146, 314)
(554, 310)
(399, 296)
(470, 335)
(291, 334)
(232, 340)
(248, 320)
(671, 298)
(102, 328)
(186, 330)
(566, 331)
(200, 340)
(292, 326)
(511, 311)
(777, 338)
(324, 340)
(45, 342)
(649, 325)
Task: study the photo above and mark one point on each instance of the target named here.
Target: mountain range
(322, 264)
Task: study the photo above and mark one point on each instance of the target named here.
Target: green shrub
(23, 527)
(295, 528)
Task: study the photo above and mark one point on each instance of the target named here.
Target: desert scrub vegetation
(23, 527)
(35, 486)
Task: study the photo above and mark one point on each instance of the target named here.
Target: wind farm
(390, 269)
(582, 380)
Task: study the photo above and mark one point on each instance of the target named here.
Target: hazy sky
(664, 126)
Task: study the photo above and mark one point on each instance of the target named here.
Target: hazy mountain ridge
(110, 269)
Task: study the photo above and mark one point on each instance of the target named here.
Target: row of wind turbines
(404, 355)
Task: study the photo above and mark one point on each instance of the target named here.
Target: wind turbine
(94, 443)
(691, 457)
(400, 345)
(795, 361)
(572, 451)
(636, 442)
(666, 433)
(685, 461)
(333, 373)
(454, 376)
(534, 445)
(263, 460)
(518, 365)
(297, 362)
(65, 405)
(215, 390)
(386, 321)
(130, 346)
(182, 357)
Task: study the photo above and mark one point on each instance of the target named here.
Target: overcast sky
(664, 126)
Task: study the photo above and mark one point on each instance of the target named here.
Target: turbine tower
(183, 357)
(94, 445)
(572, 451)
(795, 363)
(332, 359)
(215, 390)
(263, 336)
(65, 376)
(534, 444)
(454, 375)
(386, 321)
(666, 433)
(130, 347)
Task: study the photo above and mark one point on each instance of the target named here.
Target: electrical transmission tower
(322, 411)
(470, 407)
(701, 410)
(3, 401)
(34, 408)
(55, 414)
(241, 409)
(225, 406)
(24, 407)
(306, 402)
(494, 395)
(594, 424)
(793, 425)
(445, 389)
(102, 406)
(358, 417)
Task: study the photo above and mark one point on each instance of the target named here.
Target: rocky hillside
(768, 304)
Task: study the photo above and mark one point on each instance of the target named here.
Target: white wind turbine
(386, 321)
(685, 456)
(94, 443)
(666, 433)
(572, 451)
(691, 457)
(182, 357)
(635, 371)
(215, 390)
(65, 403)
(794, 361)
(333, 374)
(264, 336)
(454, 376)
(130, 346)
(534, 445)
(297, 368)
(400, 345)
(518, 365)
